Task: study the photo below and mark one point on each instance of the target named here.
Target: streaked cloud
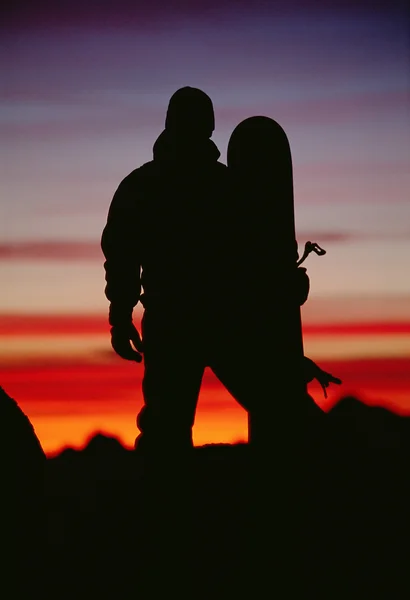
(51, 251)
(96, 324)
(96, 349)
(56, 251)
(23, 324)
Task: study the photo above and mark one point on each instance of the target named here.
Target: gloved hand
(325, 379)
(121, 338)
(302, 285)
(313, 371)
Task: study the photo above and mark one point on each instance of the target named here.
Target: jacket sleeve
(119, 243)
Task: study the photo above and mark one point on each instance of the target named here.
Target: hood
(171, 149)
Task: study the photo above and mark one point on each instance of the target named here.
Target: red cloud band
(92, 324)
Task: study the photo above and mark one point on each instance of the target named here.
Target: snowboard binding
(310, 247)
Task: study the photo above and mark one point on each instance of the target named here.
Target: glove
(302, 285)
(121, 338)
(312, 371)
(325, 379)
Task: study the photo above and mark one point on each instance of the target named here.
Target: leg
(171, 383)
(240, 362)
(251, 365)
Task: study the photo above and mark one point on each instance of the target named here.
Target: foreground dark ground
(324, 516)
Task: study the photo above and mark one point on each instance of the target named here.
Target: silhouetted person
(164, 233)
(174, 229)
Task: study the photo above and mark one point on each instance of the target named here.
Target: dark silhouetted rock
(369, 426)
(101, 445)
(23, 464)
(22, 456)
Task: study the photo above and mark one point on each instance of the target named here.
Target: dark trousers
(178, 346)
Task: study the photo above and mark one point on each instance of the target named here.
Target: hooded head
(190, 113)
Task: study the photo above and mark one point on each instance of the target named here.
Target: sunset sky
(83, 98)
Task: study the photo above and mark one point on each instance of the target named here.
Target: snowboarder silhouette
(171, 233)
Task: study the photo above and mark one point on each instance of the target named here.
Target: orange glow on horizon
(64, 375)
(67, 403)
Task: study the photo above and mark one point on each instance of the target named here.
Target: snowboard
(260, 164)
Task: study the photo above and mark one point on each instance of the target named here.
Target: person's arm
(119, 243)
(302, 285)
